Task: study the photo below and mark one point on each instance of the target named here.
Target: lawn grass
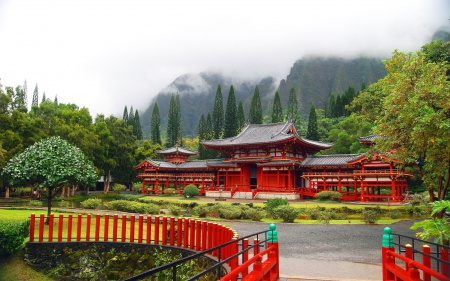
(13, 268)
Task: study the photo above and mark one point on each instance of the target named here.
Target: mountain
(197, 93)
(314, 79)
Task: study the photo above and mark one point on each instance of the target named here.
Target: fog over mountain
(107, 54)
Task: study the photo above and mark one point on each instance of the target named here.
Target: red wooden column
(387, 245)
(32, 226)
(143, 186)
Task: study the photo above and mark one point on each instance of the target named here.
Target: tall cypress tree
(312, 132)
(217, 116)
(240, 117)
(43, 97)
(173, 122)
(332, 106)
(137, 130)
(125, 115)
(155, 134)
(339, 106)
(277, 110)
(256, 114)
(25, 94)
(201, 131)
(230, 127)
(210, 154)
(131, 117)
(35, 101)
(292, 109)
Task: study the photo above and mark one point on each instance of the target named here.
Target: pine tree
(339, 106)
(217, 116)
(125, 115)
(155, 134)
(137, 130)
(35, 101)
(43, 97)
(240, 117)
(209, 127)
(256, 114)
(277, 110)
(173, 122)
(326, 111)
(130, 121)
(292, 109)
(201, 131)
(312, 132)
(332, 106)
(230, 127)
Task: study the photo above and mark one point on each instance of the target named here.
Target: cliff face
(315, 79)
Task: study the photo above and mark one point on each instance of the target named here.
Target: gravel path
(328, 252)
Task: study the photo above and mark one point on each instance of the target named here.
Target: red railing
(411, 262)
(201, 236)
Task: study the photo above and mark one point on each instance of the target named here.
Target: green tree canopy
(240, 117)
(256, 113)
(51, 164)
(277, 110)
(292, 109)
(155, 133)
(218, 115)
(230, 126)
(312, 132)
(414, 115)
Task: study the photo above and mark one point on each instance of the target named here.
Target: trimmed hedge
(12, 235)
(91, 203)
(328, 195)
(132, 207)
(190, 191)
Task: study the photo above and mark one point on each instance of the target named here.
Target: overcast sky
(104, 55)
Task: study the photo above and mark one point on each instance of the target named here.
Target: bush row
(12, 235)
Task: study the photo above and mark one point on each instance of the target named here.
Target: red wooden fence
(412, 264)
(186, 233)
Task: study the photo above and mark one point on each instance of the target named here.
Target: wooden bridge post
(272, 237)
(445, 269)
(387, 244)
(426, 261)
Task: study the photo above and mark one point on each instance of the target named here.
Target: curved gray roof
(330, 160)
(176, 149)
(265, 134)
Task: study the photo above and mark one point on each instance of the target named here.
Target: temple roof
(255, 134)
(330, 160)
(176, 150)
(162, 165)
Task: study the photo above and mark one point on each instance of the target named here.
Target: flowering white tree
(50, 164)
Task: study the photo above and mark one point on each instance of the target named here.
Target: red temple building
(272, 160)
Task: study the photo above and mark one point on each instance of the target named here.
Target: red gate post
(180, 231)
(198, 237)
(124, 228)
(387, 244)
(88, 227)
(50, 228)
(172, 231)
(164, 231)
(156, 230)
(97, 227)
(244, 256)
(149, 229)
(79, 227)
(105, 228)
(204, 234)
(408, 254)
(426, 261)
(272, 237)
(32, 225)
(132, 218)
(141, 228)
(185, 233)
(60, 227)
(41, 227)
(69, 228)
(115, 218)
(192, 234)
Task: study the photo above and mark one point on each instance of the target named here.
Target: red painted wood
(204, 234)
(115, 220)
(149, 229)
(97, 228)
(426, 261)
(41, 227)
(79, 224)
(185, 233)
(105, 227)
(132, 224)
(156, 241)
(164, 231)
(192, 234)
(32, 226)
(172, 232)
(50, 228)
(88, 227)
(180, 232)
(60, 227)
(198, 231)
(69, 228)
(140, 228)
(245, 256)
(445, 269)
(124, 228)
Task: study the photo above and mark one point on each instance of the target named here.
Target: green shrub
(117, 187)
(325, 216)
(395, 214)
(328, 195)
(417, 199)
(370, 216)
(64, 204)
(132, 207)
(272, 204)
(190, 191)
(12, 235)
(228, 212)
(287, 213)
(35, 203)
(170, 191)
(91, 203)
(130, 197)
(137, 187)
(175, 209)
(254, 214)
(201, 210)
(313, 213)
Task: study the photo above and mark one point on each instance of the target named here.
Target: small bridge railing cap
(272, 235)
(388, 239)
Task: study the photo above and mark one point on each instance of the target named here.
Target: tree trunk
(7, 192)
(63, 191)
(72, 191)
(106, 187)
(49, 204)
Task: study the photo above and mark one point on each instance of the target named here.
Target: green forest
(408, 109)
